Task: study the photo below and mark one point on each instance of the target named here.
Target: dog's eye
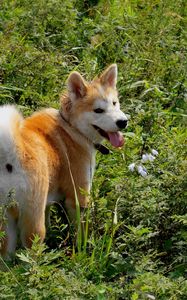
(98, 110)
(114, 103)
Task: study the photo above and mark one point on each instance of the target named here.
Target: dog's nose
(121, 124)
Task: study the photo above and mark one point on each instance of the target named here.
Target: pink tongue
(116, 139)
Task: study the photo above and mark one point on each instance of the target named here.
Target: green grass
(136, 248)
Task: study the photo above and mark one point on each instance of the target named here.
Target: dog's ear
(109, 76)
(76, 86)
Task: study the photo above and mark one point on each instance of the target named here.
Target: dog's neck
(101, 148)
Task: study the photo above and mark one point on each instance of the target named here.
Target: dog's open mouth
(115, 138)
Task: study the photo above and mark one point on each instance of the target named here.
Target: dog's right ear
(76, 86)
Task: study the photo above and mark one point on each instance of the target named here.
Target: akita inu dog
(41, 154)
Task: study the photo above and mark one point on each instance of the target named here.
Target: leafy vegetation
(137, 245)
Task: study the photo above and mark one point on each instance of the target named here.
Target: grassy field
(137, 246)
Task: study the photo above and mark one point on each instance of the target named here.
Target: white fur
(16, 180)
(90, 169)
(53, 198)
(8, 114)
(106, 120)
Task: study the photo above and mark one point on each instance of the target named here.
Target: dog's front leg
(77, 214)
(73, 208)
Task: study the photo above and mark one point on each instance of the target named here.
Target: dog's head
(94, 109)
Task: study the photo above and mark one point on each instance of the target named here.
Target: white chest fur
(90, 169)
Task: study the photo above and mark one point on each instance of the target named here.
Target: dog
(52, 153)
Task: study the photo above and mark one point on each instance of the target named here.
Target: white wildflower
(151, 157)
(142, 171)
(131, 167)
(154, 152)
(147, 157)
(149, 296)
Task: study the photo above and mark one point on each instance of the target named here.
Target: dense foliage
(137, 245)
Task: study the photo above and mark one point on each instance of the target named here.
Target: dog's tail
(10, 122)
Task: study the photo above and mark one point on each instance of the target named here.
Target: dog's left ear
(109, 76)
